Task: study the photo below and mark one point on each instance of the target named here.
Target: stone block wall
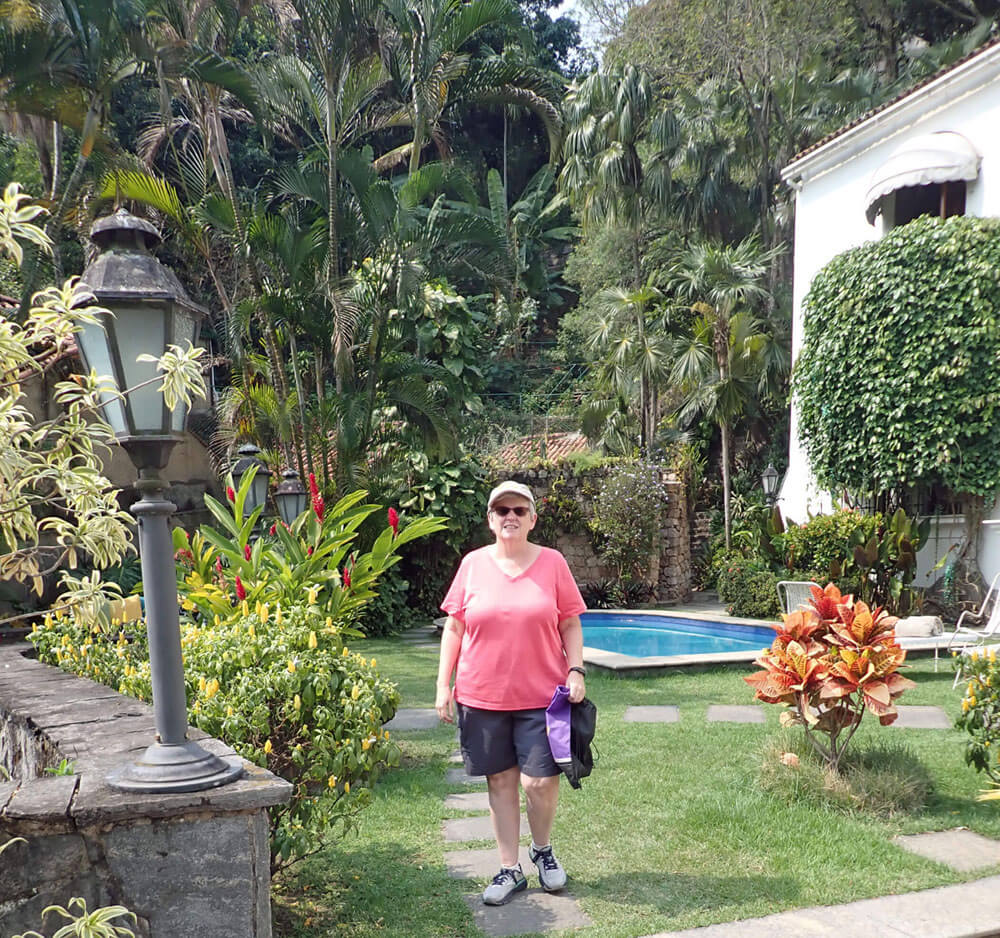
(669, 571)
(187, 864)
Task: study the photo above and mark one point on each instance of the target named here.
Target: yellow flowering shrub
(290, 696)
(980, 716)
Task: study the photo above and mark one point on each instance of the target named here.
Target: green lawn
(671, 830)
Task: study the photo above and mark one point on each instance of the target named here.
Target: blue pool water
(643, 635)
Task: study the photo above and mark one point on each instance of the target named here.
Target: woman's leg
(541, 796)
(505, 811)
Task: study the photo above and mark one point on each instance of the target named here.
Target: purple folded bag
(557, 725)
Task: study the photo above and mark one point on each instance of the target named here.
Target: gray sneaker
(550, 873)
(504, 885)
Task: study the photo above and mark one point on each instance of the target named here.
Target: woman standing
(514, 633)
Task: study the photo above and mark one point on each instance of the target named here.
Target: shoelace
(505, 876)
(548, 859)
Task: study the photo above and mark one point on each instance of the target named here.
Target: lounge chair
(794, 593)
(967, 639)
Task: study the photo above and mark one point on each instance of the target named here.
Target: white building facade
(939, 141)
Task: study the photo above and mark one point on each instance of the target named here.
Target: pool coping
(619, 663)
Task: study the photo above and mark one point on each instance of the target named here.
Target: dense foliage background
(425, 228)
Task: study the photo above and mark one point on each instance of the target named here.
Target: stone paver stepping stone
(481, 864)
(468, 801)
(723, 713)
(922, 718)
(646, 714)
(422, 719)
(459, 830)
(461, 777)
(531, 911)
(962, 850)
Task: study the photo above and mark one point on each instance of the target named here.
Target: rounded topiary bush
(898, 381)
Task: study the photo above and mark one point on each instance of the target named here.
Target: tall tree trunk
(724, 430)
(301, 438)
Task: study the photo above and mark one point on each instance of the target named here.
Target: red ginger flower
(241, 592)
(218, 565)
(273, 529)
(246, 551)
(347, 577)
(318, 505)
(230, 493)
(309, 551)
(394, 521)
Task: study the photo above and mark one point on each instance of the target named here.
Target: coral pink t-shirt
(512, 654)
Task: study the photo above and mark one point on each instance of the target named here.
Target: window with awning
(925, 175)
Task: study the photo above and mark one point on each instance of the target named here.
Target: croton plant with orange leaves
(829, 663)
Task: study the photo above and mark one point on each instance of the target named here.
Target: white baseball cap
(511, 488)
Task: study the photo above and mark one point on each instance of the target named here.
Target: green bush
(456, 490)
(825, 540)
(749, 589)
(281, 687)
(626, 519)
(218, 568)
(391, 611)
(899, 377)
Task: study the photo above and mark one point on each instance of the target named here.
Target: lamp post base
(176, 767)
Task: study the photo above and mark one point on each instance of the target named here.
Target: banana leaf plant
(829, 664)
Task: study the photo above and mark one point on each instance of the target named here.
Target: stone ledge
(99, 730)
(193, 863)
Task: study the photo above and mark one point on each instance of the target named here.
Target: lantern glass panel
(185, 325)
(93, 343)
(258, 488)
(140, 330)
(290, 505)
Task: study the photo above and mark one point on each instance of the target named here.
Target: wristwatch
(581, 671)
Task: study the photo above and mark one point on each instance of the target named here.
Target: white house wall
(830, 219)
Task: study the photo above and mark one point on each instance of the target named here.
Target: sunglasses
(504, 510)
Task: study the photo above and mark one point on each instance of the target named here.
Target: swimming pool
(656, 635)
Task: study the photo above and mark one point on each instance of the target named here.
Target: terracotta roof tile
(550, 446)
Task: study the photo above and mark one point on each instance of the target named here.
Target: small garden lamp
(150, 311)
(290, 496)
(769, 480)
(249, 457)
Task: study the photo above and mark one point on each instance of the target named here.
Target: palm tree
(522, 229)
(715, 361)
(333, 49)
(425, 48)
(619, 143)
(89, 48)
(634, 348)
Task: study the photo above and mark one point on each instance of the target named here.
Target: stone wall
(187, 864)
(669, 570)
(701, 532)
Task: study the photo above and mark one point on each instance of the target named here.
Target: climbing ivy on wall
(899, 379)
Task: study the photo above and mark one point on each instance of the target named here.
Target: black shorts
(496, 740)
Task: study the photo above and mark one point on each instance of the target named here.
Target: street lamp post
(150, 310)
(769, 480)
(290, 496)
